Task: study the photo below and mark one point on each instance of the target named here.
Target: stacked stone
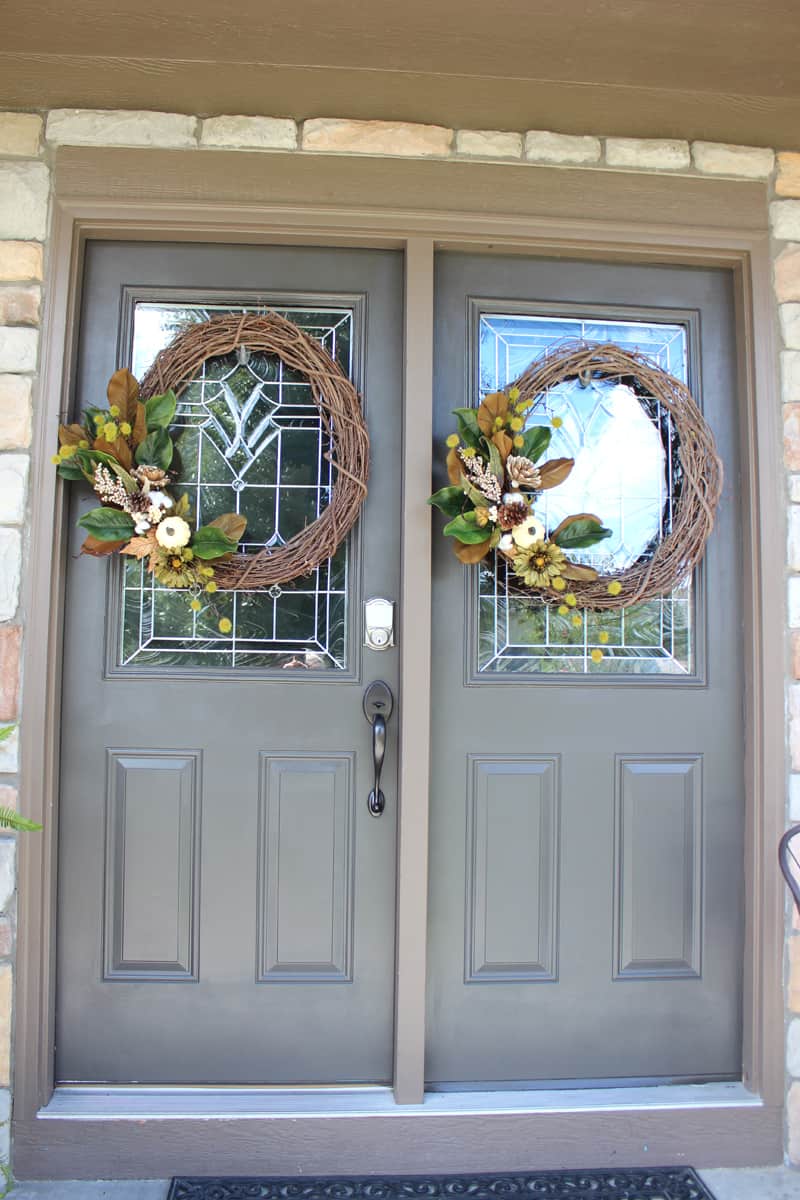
(24, 190)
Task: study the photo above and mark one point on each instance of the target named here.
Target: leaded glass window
(249, 439)
(625, 472)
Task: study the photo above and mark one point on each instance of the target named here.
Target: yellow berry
(597, 656)
(83, 444)
(125, 429)
(114, 410)
(513, 393)
(225, 625)
(498, 422)
(195, 605)
(603, 637)
(207, 571)
(67, 451)
(56, 459)
(99, 420)
(519, 442)
(576, 621)
(559, 583)
(571, 599)
(516, 424)
(614, 588)
(211, 587)
(453, 441)
(556, 422)
(562, 610)
(110, 431)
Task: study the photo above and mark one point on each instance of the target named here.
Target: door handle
(378, 705)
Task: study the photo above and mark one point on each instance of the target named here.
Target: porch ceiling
(657, 68)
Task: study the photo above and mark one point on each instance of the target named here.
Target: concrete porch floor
(772, 1183)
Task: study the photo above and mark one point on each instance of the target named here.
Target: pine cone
(509, 515)
(522, 472)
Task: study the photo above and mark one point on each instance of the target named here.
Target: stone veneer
(25, 139)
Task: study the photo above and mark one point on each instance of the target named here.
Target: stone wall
(26, 141)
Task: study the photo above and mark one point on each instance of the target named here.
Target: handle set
(378, 705)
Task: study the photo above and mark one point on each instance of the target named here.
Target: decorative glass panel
(625, 471)
(250, 440)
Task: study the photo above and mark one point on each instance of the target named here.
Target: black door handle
(378, 704)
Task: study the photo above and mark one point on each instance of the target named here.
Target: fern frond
(6, 732)
(9, 819)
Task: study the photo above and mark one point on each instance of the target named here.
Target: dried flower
(173, 532)
(540, 564)
(522, 472)
(173, 568)
(110, 489)
(481, 478)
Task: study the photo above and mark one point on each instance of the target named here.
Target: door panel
(586, 818)
(226, 902)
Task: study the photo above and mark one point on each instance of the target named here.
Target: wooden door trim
(311, 220)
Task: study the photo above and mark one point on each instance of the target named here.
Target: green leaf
(466, 529)
(6, 732)
(450, 500)
(128, 481)
(9, 819)
(209, 542)
(156, 450)
(107, 524)
(468, 428)
(70, 469)
(160, 411)
(535, 441)
(579, 534)
(495, 462)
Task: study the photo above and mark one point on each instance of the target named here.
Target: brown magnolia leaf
(71, 435)
(503, 443)
(232, 525)
(140, 547)
(472, 553)
(555, 472)
(123, 390)
(579, 574)
(490, 408)
(118, 449)
(139, 423)
(571, 521)
(99, 549)
(454, 468)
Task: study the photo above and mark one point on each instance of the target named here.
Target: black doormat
(635, 1183)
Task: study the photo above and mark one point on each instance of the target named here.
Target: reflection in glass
(626, 470)
(249, 439)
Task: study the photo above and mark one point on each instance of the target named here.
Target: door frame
(387, 203)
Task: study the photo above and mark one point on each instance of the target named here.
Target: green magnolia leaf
(160, 411)
(477, 498)
(579, 533)
(535, 441)
(468, 428)
(210, 542)
(9, 819)
(128, 481)
(450, 500)
(70, 469)
(466, 529)
(495, 462)
(156, 450)
(107, 524)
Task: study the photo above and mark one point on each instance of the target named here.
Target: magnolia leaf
(232, 525)
(156, 450)
(107, 524)
(210, 542)
(9, 819)
(504, 445)
(453, 467)
(473, 552)
(579, 532)
(71, 435)
(468, 429)
(491, 407)
(449, 500)
(534, 442)
(160, 410)
(181, 505)
(128, 481)
(555, 472)
(477, 498)
(118, 450)
(466, 529)
(496, 463)
(98, 549)
(578, 573)
(141, 547)
(71, 470)
(123, 391)
(139, 432)
(495, 538)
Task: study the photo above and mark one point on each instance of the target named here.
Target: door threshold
(120, 1103)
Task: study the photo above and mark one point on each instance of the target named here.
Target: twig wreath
(125, 452)
(496, 477)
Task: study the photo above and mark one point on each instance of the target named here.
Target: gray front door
(226, 900)
(586, 816)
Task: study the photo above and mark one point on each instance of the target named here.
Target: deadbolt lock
(378, 623)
